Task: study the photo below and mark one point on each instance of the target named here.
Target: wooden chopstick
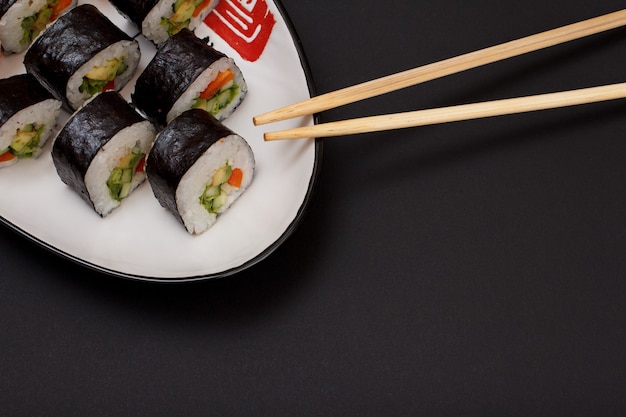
(454, 113)
(446, 67)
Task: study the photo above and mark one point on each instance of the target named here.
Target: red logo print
(246, 25)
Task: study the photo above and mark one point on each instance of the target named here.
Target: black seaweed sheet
(177, 147)
(134, 10)
(19, 92)
(71, 41)
(176, 64)
(86, 132)
(5, 6)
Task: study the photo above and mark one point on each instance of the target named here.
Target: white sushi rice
(127, 50)
(152, 28)
(187, 99)
(233, 150)
(11, 24)
(44, 113)
(139, 135)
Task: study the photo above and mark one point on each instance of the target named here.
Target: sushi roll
(101, 150)
(82, 53)
(21, 21)
(197, 168)
(28, 117)
(160, 19)
(186, 73)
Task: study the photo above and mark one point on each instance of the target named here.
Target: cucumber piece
(202, 104)
(116, 176)
(220, 100)
(34, 24)
(135, 160)
(212, 191)
(123, 66)
(223, 98)
(121, 177)
(211, 105)
(127, 175)
(216, 193)
(125, 190)
(116, 183)
(92, 87)
(219, 201)
(115, 190)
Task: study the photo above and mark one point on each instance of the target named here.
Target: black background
(468, 269)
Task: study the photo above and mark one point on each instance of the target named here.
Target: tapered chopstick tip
(257, 120)
(271, 117)
(272, 136)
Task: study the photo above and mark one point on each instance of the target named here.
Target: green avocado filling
(219, 101)
(181, 16)
(215, 194)
(26, 142)
(121, 177)
(101, 78)
(34, 24)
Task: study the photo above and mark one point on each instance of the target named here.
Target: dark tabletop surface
(468, 269)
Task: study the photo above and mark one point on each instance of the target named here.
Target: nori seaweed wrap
(134, 10)
(17, 93)
(103, 136)
(80, 54)
(28, 117)
(5, 5)
(160, 19)
(178, 76)
(197, 168)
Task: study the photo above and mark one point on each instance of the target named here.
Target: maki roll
(160, 19)
(197, 168)
(28, 116)
(21, 21)
(186, 73)
(82, 53)
(101, 150)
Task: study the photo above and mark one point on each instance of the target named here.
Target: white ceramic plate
(141, 240)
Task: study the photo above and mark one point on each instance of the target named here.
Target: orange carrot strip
(235, 178)
(7, 156)
(58, 9)
(214, 86)
(200, 7)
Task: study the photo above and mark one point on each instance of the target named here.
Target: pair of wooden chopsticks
(440, 69)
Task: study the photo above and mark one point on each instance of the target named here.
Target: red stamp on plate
(246, 25)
